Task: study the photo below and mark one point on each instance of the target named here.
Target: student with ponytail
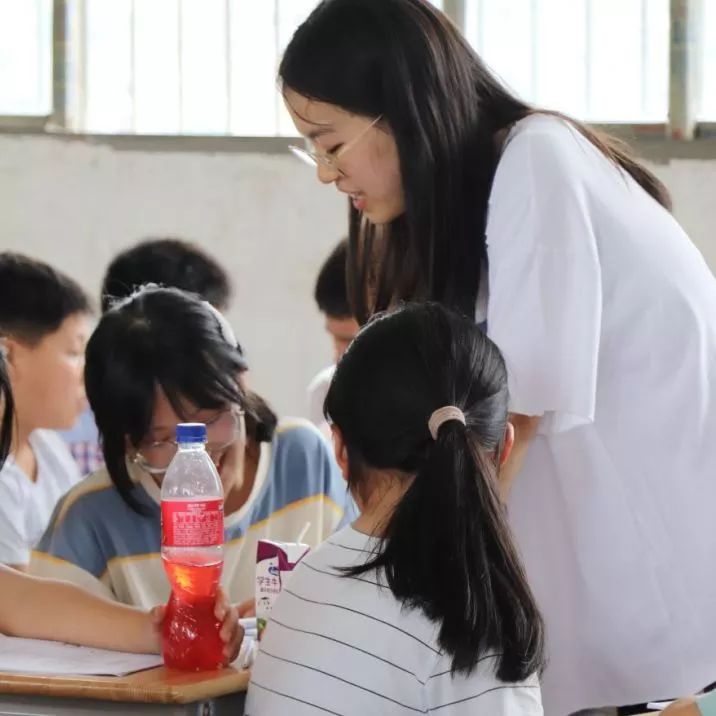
(421, 605)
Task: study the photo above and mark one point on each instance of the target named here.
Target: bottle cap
(191, 433)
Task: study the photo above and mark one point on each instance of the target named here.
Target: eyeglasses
(311, 155)
(221, 432)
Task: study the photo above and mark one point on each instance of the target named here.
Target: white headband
(444, 415)
(227, 333)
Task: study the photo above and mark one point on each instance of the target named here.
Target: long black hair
(405, 61)
(162, 337)
(7, 407)
(447, 548)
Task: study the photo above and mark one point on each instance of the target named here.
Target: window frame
(683, 137)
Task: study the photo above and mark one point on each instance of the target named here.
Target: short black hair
(35, 298)
(168, 262)
(331, 292)
(167, 338)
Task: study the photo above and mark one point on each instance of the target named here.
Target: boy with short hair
(44, 326)
(331, 295)
(168, 262)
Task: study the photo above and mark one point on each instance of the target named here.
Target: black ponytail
(7, 407)
(447, 548)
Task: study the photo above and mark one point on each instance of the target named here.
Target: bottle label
(197, 523)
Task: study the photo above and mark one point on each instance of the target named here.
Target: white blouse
(606, 315)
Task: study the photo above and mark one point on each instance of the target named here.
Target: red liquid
(190, 633)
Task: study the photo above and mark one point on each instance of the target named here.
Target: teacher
(563, 243)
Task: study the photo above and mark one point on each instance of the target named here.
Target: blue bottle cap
(191, 433)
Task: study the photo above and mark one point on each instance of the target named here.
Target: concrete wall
(75, 204)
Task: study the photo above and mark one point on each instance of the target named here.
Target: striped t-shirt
(344, 646)
(97, 541)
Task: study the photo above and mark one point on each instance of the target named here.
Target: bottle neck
(191, 446)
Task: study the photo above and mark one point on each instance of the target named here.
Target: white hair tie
(444, 415)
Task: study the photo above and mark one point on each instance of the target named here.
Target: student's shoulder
(89, 499)
(55, 452)
(14, 487)
(322, 379)
(51, 443)
(302, 463)
(298, 436)
(344, 548)
(48, 440)
(322, 568)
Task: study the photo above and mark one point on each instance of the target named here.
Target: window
(707, 94)
(208, 67)
(599, 60)
(26, 57)
(187, 66)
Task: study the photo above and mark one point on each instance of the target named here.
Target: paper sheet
(34, 656)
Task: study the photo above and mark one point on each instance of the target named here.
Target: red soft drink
(192, 552)
(191, 631)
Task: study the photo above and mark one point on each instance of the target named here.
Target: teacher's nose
(326, 174)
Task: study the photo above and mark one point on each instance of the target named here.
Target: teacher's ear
(507, 444)
(341, 452)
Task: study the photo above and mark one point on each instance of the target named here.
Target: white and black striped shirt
(344, 646)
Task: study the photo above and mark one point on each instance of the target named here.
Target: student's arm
(704, 706)
(36, 608)
(46, 609)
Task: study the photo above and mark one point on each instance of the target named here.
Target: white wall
(265, 217)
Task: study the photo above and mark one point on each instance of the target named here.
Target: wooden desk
(147, 693)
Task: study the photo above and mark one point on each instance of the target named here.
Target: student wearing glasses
(36, 608)
(168, 262)
(158, 358)
(560, 240)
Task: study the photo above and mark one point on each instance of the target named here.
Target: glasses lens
(223, 430)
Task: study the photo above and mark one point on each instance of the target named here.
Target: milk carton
(275, 562)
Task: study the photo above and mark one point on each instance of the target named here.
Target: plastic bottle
(192, 553)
